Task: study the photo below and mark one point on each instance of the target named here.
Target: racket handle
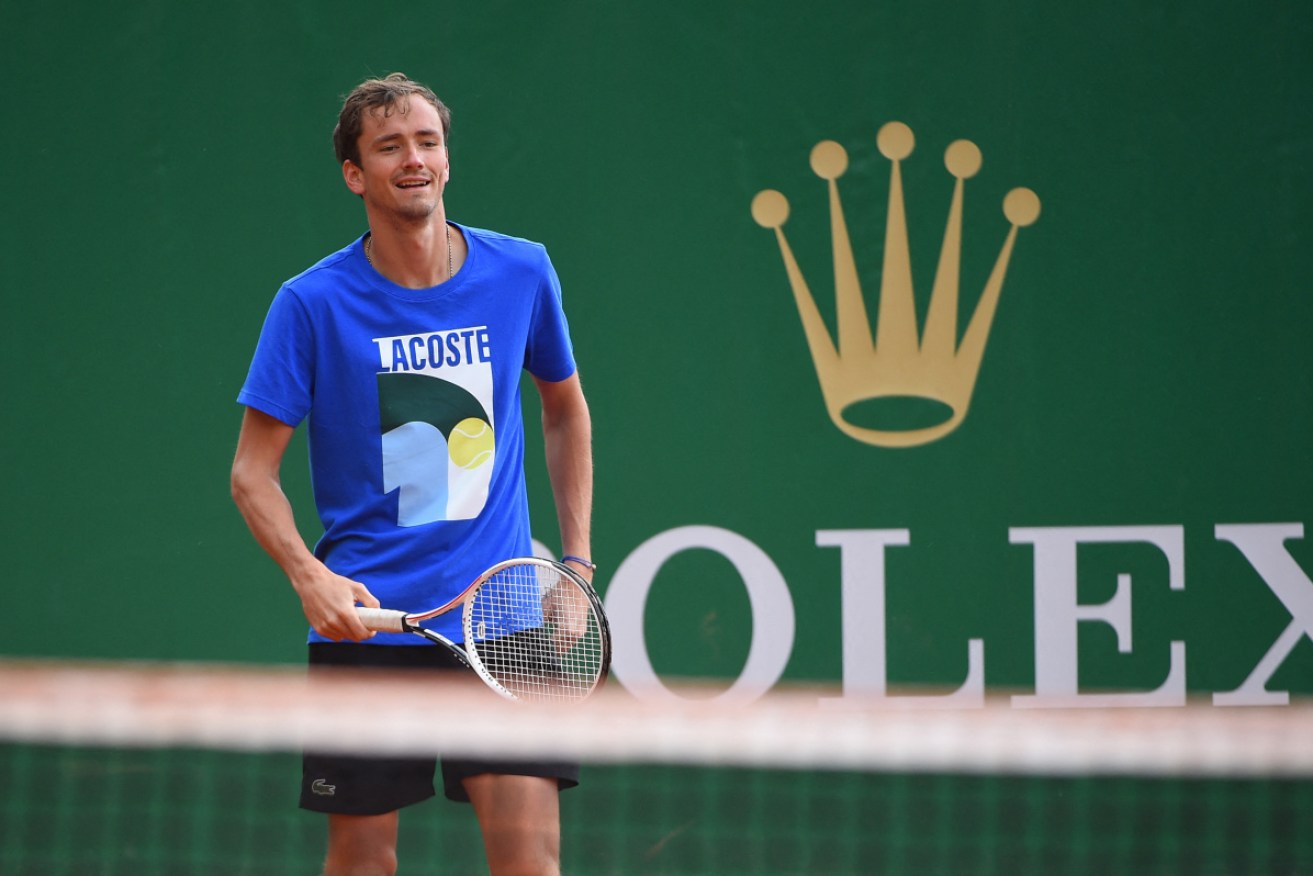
(383, 620)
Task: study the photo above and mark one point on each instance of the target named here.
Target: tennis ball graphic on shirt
(470, 443)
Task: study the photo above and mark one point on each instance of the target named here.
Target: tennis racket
(533, 629)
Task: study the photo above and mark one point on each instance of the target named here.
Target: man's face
(403, 166)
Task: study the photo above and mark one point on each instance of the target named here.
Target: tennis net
(141, 769)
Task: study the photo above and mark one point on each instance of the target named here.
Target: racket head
(535, 631)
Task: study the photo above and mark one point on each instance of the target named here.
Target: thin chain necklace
(451, 265)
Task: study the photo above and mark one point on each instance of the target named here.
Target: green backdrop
(1148, 366)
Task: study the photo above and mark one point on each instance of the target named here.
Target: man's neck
(414, 256)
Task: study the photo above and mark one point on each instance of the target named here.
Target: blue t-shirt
(413, 402)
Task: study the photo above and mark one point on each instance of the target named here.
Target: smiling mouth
(413, 184)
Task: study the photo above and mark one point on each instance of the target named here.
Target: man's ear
(353, 176)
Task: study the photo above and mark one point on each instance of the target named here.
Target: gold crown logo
(896, 364)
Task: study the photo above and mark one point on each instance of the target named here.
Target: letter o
(768, 595)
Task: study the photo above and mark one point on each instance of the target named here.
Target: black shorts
(349, 785)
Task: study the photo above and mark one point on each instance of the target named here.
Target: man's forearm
(268, 515)
(567, 436)
(570, 467)
(327, 599)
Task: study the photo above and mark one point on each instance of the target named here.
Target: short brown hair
(386, 93)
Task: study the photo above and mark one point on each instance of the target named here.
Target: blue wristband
(587, 564)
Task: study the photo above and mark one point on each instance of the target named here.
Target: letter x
(1263, 544)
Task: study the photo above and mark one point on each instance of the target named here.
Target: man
(403, 352)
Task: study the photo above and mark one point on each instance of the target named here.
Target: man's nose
(412, 156)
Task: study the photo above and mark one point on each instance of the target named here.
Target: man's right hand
(329, 602)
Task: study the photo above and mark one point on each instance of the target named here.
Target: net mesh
(181, 770)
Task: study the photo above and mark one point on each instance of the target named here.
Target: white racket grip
(383, 620)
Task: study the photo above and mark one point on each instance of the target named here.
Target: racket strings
(537, 633)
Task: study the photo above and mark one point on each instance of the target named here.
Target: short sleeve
(280, 381)
(549, 353)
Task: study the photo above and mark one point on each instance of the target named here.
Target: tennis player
(403, 353)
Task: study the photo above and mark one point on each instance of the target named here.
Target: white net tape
(263, 708)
